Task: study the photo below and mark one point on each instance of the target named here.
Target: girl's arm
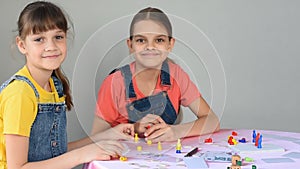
(17, 154)
(206, 123)
(99, 125)
(103, 131)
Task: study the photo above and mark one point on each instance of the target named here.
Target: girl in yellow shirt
(34, 101)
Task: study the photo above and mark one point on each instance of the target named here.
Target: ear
(21, 45)
(171, 45)
(129, 44)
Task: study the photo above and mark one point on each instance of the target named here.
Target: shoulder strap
(58, 85)
(127, 75)
(23, 78)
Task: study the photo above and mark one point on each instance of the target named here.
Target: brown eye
(38, 39)
(59, 37)
(160, 40)
(140, 40)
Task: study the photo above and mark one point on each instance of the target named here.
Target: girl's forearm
(203, 125)
(64, 161)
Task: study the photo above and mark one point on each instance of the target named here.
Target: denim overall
(48, 136)
(158, 104)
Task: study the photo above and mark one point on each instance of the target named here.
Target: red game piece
(256, 139)
(234, 133)
(208, 140)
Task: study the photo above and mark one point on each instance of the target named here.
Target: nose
(50, 45)
(150, 45)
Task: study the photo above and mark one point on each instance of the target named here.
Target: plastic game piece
(139, 148)
(259, 142)
(242, 140)
(256, 139)
(208, 140)
(123, 158)
(230, 142)
(248, 159)
(236, 162)
(235, 159)
(159, 147)
(149, 142)
(253, 166)
(234, 133)
(136, 138)
(178, 146)
(253, 136)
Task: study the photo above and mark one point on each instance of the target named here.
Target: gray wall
(243, 55)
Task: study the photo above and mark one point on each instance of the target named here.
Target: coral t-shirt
(111, 103)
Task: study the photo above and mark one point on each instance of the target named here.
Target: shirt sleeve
(189, 91)
(19, 115)
(107, 104)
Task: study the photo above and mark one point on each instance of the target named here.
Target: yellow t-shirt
(18, 108)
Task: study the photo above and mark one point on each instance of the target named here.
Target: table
(285, 152)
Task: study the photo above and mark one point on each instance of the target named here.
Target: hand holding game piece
(147, 122)
(162, 132)
(120, 132)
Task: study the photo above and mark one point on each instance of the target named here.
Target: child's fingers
(153, 129)
(157, 135)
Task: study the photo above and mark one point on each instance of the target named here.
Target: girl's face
(150, 44)
(44, 51)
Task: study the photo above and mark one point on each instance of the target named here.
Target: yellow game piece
(234, 141)
(122, 158)
(159, 146)
(178, 146)
(149, 142)
(139, 148)
(136, 137)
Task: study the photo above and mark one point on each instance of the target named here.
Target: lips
(51, 56)
(150, 54)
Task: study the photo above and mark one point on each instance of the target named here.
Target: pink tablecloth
(284, 152)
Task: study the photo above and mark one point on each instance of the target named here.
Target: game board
(250, 148)
(150, 156)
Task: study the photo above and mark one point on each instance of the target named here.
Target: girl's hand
(121, 131)
(147, 122)
(157, 130)
(162, 132)
(101, 150)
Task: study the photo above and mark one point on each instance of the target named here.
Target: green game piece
(248, 159)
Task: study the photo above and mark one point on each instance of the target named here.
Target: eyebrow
(138, 35)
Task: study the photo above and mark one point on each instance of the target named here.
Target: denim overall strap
(58, 86)
(130, 93)
(23, 78)
(165, 74)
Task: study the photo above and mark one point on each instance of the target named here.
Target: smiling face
(45, 50)
(150, 44)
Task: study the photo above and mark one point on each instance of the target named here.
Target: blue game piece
(243, 140)
(253, 136)
(259, 141)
